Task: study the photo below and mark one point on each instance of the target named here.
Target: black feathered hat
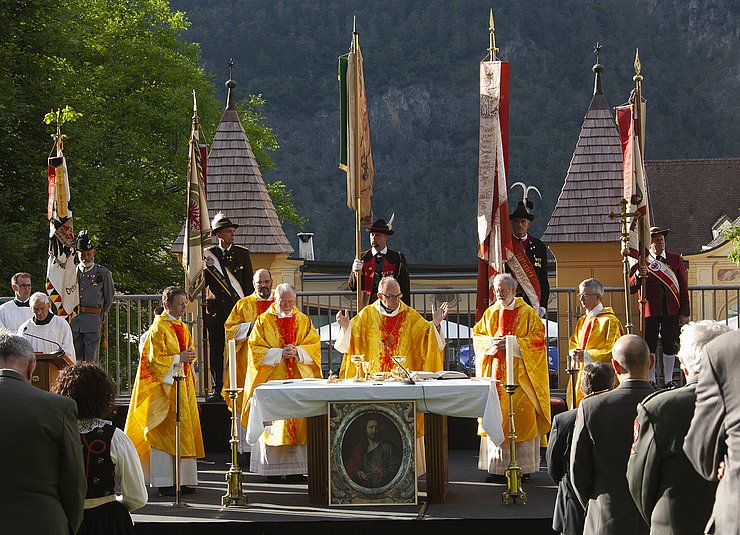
(83, 242)
(381, 227)
(522, 211)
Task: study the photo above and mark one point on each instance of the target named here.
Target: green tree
(127, 69)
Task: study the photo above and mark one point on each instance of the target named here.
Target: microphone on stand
(408, 381)
(59, 351)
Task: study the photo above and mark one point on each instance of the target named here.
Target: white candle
(232, 364)
(510, 344)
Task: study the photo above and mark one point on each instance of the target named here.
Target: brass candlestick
(572, 371)
(179, 375)
(514, 492)
(234, 477)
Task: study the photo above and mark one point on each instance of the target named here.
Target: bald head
(632, 355)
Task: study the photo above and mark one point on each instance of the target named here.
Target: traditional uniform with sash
(529, 265)
(595, 333)
(95, 284)
(666, 298)
(532, 398)
(378, 264)
(150, 423)
(282, 447)
(228, 279)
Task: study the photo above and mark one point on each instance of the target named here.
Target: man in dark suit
(667, 300)
(535, 252)
(42, 475)
(568, 515)
(601, 444)
(228, 279)
(671, 496)
(378, 262)
(714, 435)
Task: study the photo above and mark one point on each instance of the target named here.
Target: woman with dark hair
(111, 460)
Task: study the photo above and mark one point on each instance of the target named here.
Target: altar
(437, 399)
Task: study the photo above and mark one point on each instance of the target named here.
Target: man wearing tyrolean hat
(531, 269)
(228, 279)
(666, 299)
(379, 261)
(95, 284)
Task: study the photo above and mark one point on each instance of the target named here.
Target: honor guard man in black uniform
(535, 250)
(95, 283)
(228, 279)
(378, 262)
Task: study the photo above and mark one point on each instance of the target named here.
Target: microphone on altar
(59, 351)
(409, 380)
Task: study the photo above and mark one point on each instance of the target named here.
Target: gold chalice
(357, 360)
(367, 367)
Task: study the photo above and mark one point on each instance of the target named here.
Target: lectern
(47, 369)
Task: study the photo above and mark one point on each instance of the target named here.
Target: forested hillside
(421, 68)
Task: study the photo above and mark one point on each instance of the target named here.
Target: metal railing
(131, 315)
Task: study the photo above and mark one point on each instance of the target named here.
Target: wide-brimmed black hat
(83, 242)
(381, 227)
(522, 211)
(221, 222)
(654, 231)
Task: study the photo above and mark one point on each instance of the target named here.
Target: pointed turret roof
(593, 185)
(236, 188)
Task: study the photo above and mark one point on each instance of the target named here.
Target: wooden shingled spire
(236, 188)
(593, 185)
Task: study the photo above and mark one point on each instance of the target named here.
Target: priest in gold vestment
(150, 423)
(238, 327)
(594, 335)
(388, 328)
(284, 345)
(510, 315)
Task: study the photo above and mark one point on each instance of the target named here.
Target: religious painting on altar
(372, 453)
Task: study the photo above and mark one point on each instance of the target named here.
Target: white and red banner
(61, 271)
(631, 130)
(495, 246)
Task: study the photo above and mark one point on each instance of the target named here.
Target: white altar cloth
(464, 398)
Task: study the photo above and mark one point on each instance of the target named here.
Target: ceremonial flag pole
(494, 234)
(355, 153)
(61, 271)
(197, 229)
(631, 124)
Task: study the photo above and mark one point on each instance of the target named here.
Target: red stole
(262, 306)
(389, 329)
(586, 329)
(179, 329)
(287, 328)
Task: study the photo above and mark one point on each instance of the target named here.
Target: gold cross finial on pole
(623, 216)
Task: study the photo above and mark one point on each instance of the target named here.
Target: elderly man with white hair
(510, 315)
(46, 332)
(671, 496)
(594, 335)
(284, 345)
